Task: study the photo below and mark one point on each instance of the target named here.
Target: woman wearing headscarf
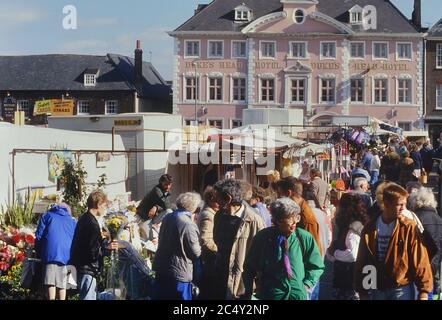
(284, 260)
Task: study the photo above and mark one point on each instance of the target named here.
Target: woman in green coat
(283, 260)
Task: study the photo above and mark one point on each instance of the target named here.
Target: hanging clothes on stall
(333, 160)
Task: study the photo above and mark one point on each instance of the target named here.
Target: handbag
(31, 274)
(72, 277)
(423, 178)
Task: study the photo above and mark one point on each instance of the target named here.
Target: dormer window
(90, 80)
(243, 13)
(90, 77)
(355, 15)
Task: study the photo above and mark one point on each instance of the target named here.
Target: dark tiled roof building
(99, 84)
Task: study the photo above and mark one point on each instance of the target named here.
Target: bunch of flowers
(10, 288)
(14, 246)
(115, 223)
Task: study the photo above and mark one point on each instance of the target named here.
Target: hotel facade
(327, 58)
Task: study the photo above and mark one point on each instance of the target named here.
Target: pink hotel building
(325, 57)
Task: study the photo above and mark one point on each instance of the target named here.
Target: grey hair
(357, 184)
(230, 187)
(67, 207)
(188, 201)
(422, 198)
(284, 208)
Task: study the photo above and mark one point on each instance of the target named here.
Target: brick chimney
(138, 68)
(416, 17)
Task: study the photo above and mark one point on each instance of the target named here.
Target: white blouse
(352, 243)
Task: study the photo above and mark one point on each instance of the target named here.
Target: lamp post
(195, 93)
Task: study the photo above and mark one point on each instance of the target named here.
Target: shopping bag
(72, 277)
(423, 178)
(31, 273)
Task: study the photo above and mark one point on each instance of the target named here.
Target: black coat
(427, 158)
(432, 224)
(87, 246)
(416, 156)
(156, 197)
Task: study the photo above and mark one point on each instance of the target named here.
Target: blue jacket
(366, 160)
(54, 236)
(264, 213)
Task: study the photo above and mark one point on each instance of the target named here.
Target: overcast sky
(113, 26)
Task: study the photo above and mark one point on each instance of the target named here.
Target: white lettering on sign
(70, 20)
(369, 18)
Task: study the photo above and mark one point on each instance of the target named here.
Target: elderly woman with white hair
(178, 251)
(284, 260)
(424, 205)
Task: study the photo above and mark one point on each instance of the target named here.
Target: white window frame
(209, 54)
(215, 119)
(438, 96)
(185, 49)
(239, 15)
(353, 21)
(231, 123)
(320, 91)
(232, 51)
(363, 90)
(397, 51)
(373, 50)
(267, 102)
(208, 89)
(200, 122)
(297, 103)
(106, 106)
(232, 95)
(408, 78)
(90, 80)
(374, 90)
(304, 14)
(291, 43)
(363, 50)
(78, 107)
(410, 123)
(24, 105)
(198, 83)
(439, 56)
(328, 58)
(261, 55)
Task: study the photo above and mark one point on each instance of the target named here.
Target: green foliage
(10, 288)
(101, 182)
(73, 180)
(102, 278)
(19, 214)
(2, 218)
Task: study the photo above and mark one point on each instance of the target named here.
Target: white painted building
(30, 169)
(146, 132)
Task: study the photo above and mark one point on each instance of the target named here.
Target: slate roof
(436, 30)
(219, 15)
(65, 72)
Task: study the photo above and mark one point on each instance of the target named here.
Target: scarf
(282, 245)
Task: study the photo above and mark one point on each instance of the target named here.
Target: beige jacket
(251, 224)
(205, 225)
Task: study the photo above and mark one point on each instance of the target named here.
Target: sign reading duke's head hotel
(314, 65)
(324, 57)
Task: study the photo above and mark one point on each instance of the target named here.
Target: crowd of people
(238, 241)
